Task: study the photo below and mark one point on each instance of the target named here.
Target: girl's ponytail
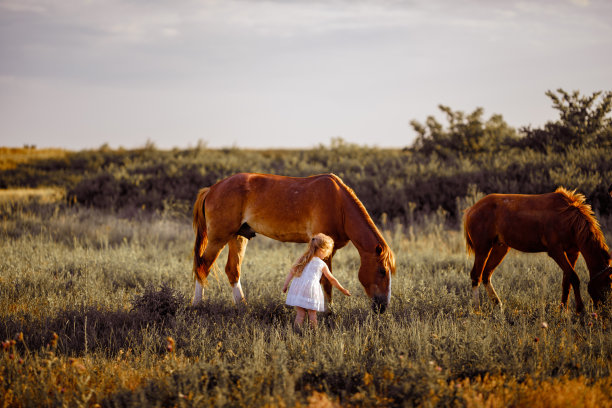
(317, 241)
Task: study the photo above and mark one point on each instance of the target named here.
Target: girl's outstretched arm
(287, 280)
(332, 279)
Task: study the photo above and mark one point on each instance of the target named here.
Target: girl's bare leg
(312, 317)
(300, 313)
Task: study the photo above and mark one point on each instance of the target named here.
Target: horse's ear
(379, 249)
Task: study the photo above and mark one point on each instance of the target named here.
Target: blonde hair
(319, 241)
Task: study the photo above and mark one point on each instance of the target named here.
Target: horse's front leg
(572, 257)
(327, 294)
(327, 286)
(197, 296)
(570, 278)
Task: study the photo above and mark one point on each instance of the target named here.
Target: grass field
(94, 309)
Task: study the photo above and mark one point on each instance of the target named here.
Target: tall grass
(97, 308)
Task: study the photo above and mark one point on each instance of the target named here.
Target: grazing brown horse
(558, 223)
(288, 209)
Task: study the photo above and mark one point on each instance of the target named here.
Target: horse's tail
(199, 226)
(469, 245)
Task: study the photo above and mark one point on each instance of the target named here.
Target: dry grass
(501, 391)
(11, 157)
(115, 290)
(42, 195)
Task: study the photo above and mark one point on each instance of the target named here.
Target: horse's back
(280, 207)
(522, 221)
(525, 204)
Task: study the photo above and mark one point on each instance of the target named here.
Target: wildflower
(594, 315)
(77, 365)
(170, 345)
(20, 337)
(367, 379)
(544, 325)
(536, 339)
(185, 397)
(54, 338)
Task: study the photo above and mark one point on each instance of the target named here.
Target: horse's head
(375, 276)
(600, 286)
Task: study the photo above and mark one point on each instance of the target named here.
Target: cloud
(327, 68)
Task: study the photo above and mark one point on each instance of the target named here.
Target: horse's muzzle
(600, 287)
(599, 295)
(380, 303)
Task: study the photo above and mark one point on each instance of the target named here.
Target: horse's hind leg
(211, 252)
(497, 254)
(480, 260)
(237, 247)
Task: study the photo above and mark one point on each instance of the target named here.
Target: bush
(158, 306)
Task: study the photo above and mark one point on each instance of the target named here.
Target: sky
(79, 74)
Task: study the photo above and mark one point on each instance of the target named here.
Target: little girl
(305, 292)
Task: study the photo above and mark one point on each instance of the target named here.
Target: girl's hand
(285, 289)
(346, 292)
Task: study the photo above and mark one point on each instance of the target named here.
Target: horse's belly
(286, 236)
(524, 245)
(529, 248)
(281, 231)
(290, 218)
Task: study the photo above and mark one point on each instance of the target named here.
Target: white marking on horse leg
(237, 292)
(475, 299)
(197, 296)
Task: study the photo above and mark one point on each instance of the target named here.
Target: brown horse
(288, 209)
(558, 223)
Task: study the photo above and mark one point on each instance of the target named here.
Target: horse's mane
(581, 217)
(387, 255)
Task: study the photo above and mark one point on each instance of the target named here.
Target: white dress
(305, 290)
